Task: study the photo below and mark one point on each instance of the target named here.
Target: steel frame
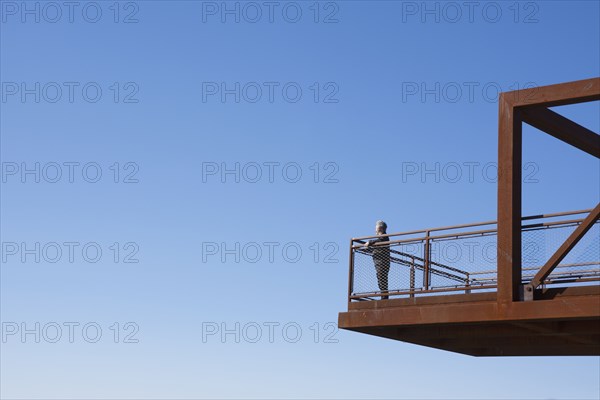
(531, 106)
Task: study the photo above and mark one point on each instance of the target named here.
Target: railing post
(412, 277)
(351, 272)
(427, 258)
(468, 285)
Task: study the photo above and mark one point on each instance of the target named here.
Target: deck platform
(559, 322)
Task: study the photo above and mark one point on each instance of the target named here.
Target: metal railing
(459, 259)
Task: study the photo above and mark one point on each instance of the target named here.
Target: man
(381, 257)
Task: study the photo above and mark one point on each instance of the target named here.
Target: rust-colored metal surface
(518, 309)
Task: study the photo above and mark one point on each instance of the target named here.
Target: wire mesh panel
(388, 267)
(583, 261)
(469, 260)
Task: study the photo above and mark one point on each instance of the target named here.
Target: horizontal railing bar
(526, 277)
(566, 265)
(542, 225)
(460, 236)
(425, 230)
(589, 272)
(583, 276)
(537, 268)
(418, 292)
(558, 281)
(526, 218)
(587, 276)
(560, 214)
(424, 291)
(527, 228)
(459, 288)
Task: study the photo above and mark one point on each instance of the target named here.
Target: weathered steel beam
(563, 129)
(556, 95)
(567, 307)
(500, 330)
(509, 201)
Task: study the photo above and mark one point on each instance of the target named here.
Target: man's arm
(377, 240)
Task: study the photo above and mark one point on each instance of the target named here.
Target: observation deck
(518, 286)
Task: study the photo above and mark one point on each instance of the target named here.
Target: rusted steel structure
(511, 304)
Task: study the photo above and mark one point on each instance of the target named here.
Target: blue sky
(316, 109)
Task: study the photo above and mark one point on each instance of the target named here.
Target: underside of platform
(566, 323)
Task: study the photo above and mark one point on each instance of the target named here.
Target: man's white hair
(381, 225)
